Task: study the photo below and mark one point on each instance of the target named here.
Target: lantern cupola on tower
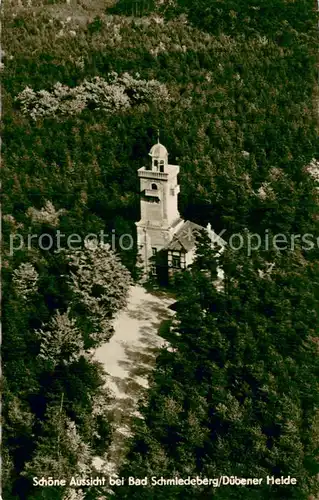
(159, 156)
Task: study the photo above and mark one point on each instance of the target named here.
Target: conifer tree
(60, 453)
(100, 285)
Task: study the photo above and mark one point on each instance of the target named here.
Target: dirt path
(128, 358)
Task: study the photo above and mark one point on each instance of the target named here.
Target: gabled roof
(185, 238)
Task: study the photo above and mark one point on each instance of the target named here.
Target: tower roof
(158, 150)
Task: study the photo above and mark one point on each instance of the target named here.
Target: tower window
(154, 187)
(155, 165)
(162, 166)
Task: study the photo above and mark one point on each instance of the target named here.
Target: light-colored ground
(128, 359)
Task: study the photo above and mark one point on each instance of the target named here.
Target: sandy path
(128, 358)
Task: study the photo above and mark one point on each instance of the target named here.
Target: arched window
(154, 187)
(162, 166)
(155, 165)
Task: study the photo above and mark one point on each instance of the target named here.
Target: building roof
(158, 150)
(185, 238)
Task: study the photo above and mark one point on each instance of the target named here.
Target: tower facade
(160, 217)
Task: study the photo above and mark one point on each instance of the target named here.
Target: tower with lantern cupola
(160, 217)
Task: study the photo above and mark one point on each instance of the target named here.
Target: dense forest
(232, 87)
